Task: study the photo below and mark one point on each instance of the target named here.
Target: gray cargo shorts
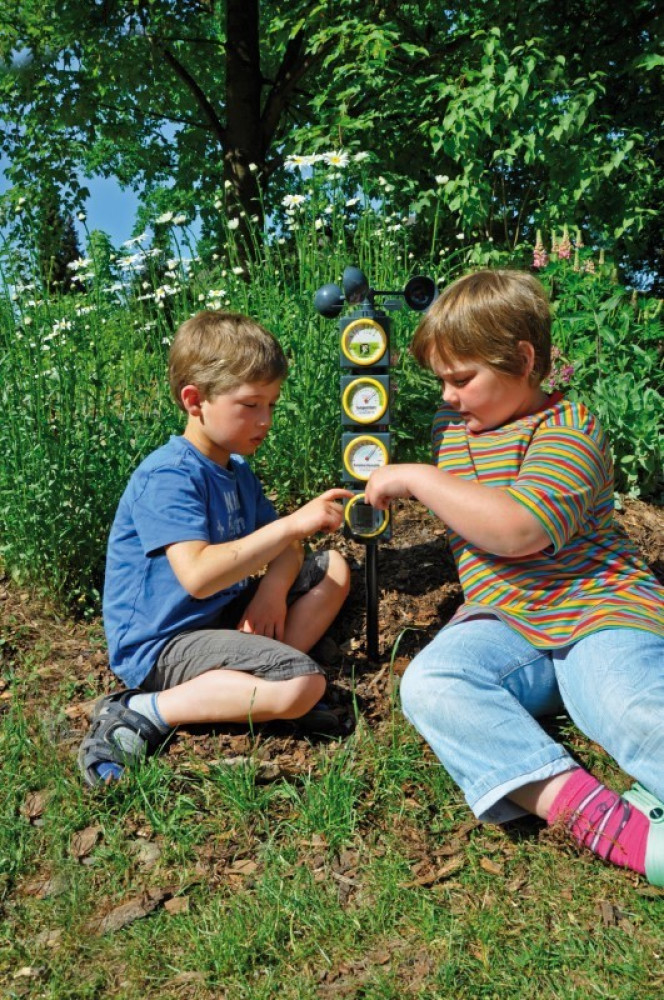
(224, 648)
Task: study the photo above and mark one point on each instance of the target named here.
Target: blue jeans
(474, 694)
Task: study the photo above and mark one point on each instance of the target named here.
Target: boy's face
(235, 422)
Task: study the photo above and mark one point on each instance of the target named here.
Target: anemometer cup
(356, 285)
(420, 292)
(329, 300)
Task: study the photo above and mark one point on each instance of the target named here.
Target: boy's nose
(450, 395)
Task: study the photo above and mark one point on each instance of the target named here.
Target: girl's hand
(391, 482)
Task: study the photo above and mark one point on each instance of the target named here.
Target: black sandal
(110, 714)
(321, 720)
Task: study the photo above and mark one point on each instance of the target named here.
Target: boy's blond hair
(482, 317)
(217, 351)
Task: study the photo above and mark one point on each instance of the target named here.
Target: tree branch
(194, 88)
(294, 65)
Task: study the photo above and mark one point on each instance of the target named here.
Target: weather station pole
(364, 357)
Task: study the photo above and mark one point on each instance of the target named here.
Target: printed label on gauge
(364, 342)
(363, 520)
(364, 399)
(364, 453)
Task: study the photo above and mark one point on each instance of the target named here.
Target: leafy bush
(616, 344)
(83, 374)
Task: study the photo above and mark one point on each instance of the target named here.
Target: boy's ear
(191, 400)
(527, 352)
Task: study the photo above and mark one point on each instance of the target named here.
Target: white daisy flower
(299, 162)
(293, 200)
(80, 262)
(336, 159)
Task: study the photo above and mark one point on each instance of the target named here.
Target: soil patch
(418, 592)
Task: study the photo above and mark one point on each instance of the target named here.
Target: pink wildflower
(565, 247)
(540, 256)
(561, 371)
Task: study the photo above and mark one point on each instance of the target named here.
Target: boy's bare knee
(300, 694)
(338, 571)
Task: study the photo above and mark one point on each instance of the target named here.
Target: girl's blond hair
(482, 317)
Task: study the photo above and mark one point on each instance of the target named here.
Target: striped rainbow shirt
(557, 463)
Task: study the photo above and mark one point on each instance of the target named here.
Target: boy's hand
(321, 514)
(265, 615)
(387, 483)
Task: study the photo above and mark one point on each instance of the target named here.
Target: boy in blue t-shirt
(193, 638)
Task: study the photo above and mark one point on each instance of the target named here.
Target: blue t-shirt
(175, 495)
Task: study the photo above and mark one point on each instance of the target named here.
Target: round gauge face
(363, 520)
(363, 455)
(364, 342)
(365, 400)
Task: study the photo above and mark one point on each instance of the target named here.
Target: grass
(359, 873)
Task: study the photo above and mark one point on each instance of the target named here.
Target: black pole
(371, 580)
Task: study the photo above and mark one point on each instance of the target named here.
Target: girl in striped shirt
(559, 608)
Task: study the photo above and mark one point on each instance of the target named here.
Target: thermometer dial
(363, 455)
(364, 342)
(365, 400)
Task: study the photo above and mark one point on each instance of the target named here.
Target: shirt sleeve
(443, 417)
(561, 478)
(170, 508)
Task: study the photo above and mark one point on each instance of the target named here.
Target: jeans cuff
(494, 807)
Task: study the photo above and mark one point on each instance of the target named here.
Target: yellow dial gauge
(363, 520)
(363, 455)
(365, 400)
(364, 342)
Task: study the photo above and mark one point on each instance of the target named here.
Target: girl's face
(483, 397)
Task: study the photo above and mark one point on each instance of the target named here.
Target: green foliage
(528, 146)
(614, 340)
(193, 103)
(83, 376)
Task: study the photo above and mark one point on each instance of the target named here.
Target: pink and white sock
(602, 821)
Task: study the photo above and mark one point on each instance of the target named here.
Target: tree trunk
(245, 154)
